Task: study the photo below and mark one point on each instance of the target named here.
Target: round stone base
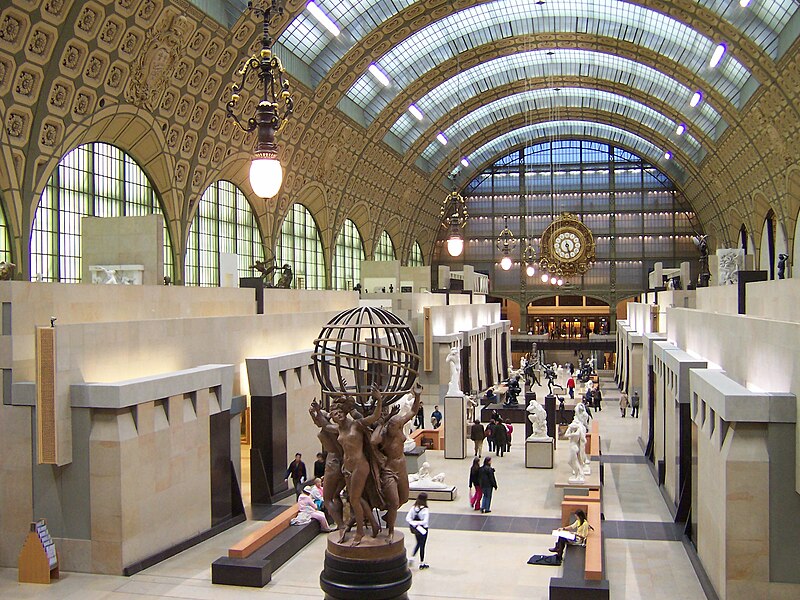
(376, 568)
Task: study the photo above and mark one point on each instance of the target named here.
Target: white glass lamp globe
(266, 177)
(505, 263)
(530, 271)
(544, 278)
(553, 280)
(455, 246)
(560, 281)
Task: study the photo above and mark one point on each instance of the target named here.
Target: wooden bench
(251, 561)
(582, 575)
(437, 435)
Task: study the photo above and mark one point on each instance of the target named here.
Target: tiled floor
(471, 555)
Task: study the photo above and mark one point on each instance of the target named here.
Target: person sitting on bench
(580, 527)
(307, 510)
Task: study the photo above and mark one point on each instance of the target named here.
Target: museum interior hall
(400, 299)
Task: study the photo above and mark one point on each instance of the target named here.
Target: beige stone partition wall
(747, 449)
(113, 335)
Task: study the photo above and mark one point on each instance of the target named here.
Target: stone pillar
(455, 427)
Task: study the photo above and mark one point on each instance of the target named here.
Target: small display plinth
(414, 459)
(539, 453)
(515, 414)
(376, 568)
(445, 492)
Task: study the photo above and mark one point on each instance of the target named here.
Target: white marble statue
(454, 360)
(405, 403)
(730, 261)
(574, 433)
(424, 480)
(523, 362)
(538, 418)
(582, 415)
(472, 404)
(104, 276)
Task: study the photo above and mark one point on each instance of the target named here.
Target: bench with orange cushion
(251, 561)
(582, 575)
(437, 435)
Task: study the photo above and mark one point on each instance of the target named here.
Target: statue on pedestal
(454, 360)
(285, 279)
(538, 418)
(423, 478)
(782, 258)
(701, 241)
(472, 404)
(574, 433)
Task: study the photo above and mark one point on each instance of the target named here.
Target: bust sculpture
(538, 418)
(454, 360)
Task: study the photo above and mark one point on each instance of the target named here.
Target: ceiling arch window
(347, 256)
(472, 27)
(537, 64)
(415, 257)
(635, 213)
(300, 246)
(385, 248)
(223, 222)
(578, 129)
(546, 99)
(768, 254)
(762, 22)
(92, 180)
(5, 238)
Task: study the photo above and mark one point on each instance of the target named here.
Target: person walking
(418, 519)
(635, 405)
(477, 434)
(475, 498)
(623, 403)
(597, 396)
(509, 431)
(488, 483)
(500, 437)
(297, 471)
(436, 417)
(419, 420)
(571, 386)
(319, 466)
(490, 434)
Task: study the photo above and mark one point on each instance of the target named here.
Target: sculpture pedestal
(455, 416)
(539, 453)
(375, 569)
(414, 459)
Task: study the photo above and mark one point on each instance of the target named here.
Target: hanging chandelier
(266, 173)
(529, 256)
(454, 216)
(506, 242)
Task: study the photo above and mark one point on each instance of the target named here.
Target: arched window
(767, 254)
(5, 238)
(385, 248)
(415, 258)
(223, 222)
(743, 238)
(300, 246)
(347, 257)
(93, 180)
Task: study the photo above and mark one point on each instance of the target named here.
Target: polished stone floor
(471, 555)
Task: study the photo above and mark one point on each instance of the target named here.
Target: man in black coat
(297, 471)
(500, 437)
(488, 484)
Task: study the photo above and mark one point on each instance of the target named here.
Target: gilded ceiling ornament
(25, 83)
(38, 43)
(9, 29)
(156, 61)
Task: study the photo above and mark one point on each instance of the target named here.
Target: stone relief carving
(156, 61)
(730, 261)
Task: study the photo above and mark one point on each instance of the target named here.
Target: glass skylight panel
(440, 41)
(487, 116)
(536, 64)
(567, 129)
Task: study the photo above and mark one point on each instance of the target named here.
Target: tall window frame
(300, 246)
(223, 222)
(415, 257)
(347, 256)
(385, 248)
(96, 179)
(5, 234)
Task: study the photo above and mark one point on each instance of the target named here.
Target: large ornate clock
(567, 247)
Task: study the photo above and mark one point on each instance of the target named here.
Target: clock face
(567, 245)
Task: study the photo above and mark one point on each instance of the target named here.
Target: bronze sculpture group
(365, 459)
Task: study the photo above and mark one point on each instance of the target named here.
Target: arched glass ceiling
(762, 22)
(569, 63)
(432, 45)
(573, 129)
(488, 114)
